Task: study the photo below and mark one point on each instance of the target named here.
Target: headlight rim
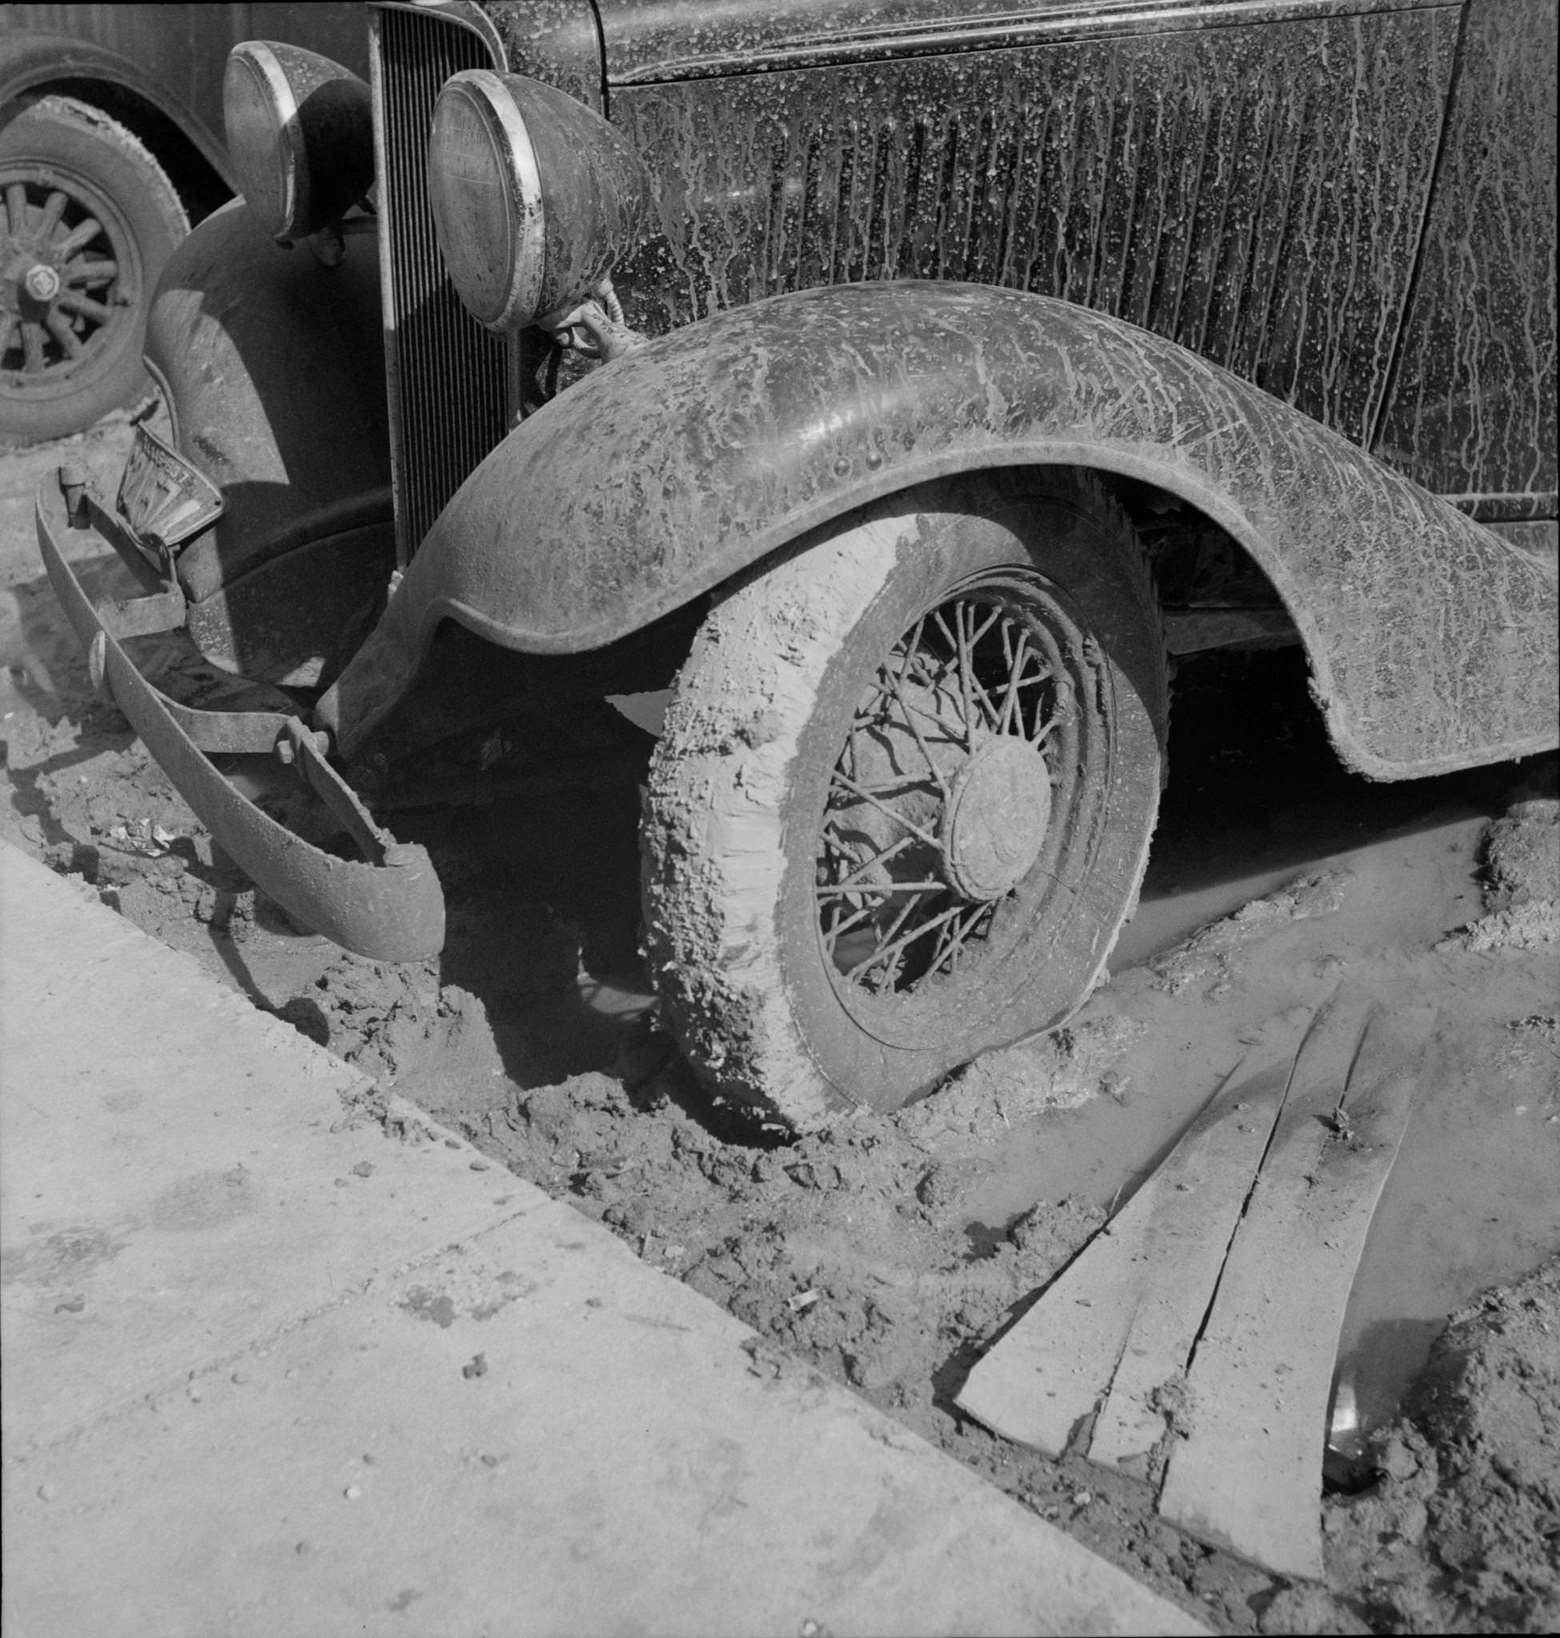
(259, 60)
(505, 129)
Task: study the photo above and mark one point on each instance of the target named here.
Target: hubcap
(995, 822)
(43, 283)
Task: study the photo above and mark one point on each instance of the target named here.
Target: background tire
(87, 221)
(903, 800)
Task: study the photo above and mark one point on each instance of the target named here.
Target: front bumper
(388, 905)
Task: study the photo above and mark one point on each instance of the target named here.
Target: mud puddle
(890, 1252)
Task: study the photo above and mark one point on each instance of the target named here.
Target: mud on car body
(923, 373)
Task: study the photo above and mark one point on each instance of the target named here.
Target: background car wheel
(903, 799)
(88, 221)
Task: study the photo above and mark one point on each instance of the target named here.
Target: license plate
(162, 498)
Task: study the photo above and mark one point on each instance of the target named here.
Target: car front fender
(273, 369)
(1431, 640)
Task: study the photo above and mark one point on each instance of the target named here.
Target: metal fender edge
(389, 906)
(1431, 641)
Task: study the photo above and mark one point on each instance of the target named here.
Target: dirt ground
(889, 1252)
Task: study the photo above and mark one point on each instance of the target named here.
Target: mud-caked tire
(88, 219)
(903, 799)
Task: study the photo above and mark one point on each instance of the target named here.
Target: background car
(110, 149)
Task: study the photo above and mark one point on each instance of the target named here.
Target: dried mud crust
(741, 785)
(1460, 1529)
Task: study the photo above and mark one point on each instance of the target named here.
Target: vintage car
(921, 374)
(111, 144)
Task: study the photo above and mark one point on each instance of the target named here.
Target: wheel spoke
(895, 946)
(883, 807)
(53, 209)
(969, 638)
(885, 949)
(8, 324)
(898, 787)
(910, 723)
(876, 862)
(59, 328)
(96, 272)
(1060, 716)
(74, 302)
(16, 209)
(837, 928)
(78, 238)
(968, 726)
(1015, 664)
(32, 347)
(887, 889)
(953, 938)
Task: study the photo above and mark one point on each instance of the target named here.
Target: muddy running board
(1197, 1334)
(388, 906)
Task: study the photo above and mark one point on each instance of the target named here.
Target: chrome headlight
(299, 133)
(534, 195)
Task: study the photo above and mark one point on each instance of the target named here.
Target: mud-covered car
(923, 378)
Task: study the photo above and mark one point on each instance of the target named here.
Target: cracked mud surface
(888, 1251)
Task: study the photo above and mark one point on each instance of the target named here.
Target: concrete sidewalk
(270, 1374)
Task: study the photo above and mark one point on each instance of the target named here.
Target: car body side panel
(1472, 413)
(1249, 182)
(1432, 642)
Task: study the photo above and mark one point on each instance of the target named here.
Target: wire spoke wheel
(902, 803)
(963, 746)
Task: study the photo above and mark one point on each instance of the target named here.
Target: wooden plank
(1132, 1422)
(1248, 1477)
(1161, 1252)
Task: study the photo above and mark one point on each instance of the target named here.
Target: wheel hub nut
(42, 282)
(995, 822)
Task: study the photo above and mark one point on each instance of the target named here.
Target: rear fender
(273, 368)
(1431, 641)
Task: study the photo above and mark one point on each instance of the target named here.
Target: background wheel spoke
(53, 209)
(89, 273)
(59, 328)
(74, 302)
(32, 348)
(78, 238)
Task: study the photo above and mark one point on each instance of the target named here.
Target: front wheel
(903, 799)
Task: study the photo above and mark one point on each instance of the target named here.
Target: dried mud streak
(1473, 410)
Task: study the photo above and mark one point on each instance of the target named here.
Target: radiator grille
(447, 375)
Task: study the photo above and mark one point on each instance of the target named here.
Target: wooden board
(1136, 1294)
(1248, 1477)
